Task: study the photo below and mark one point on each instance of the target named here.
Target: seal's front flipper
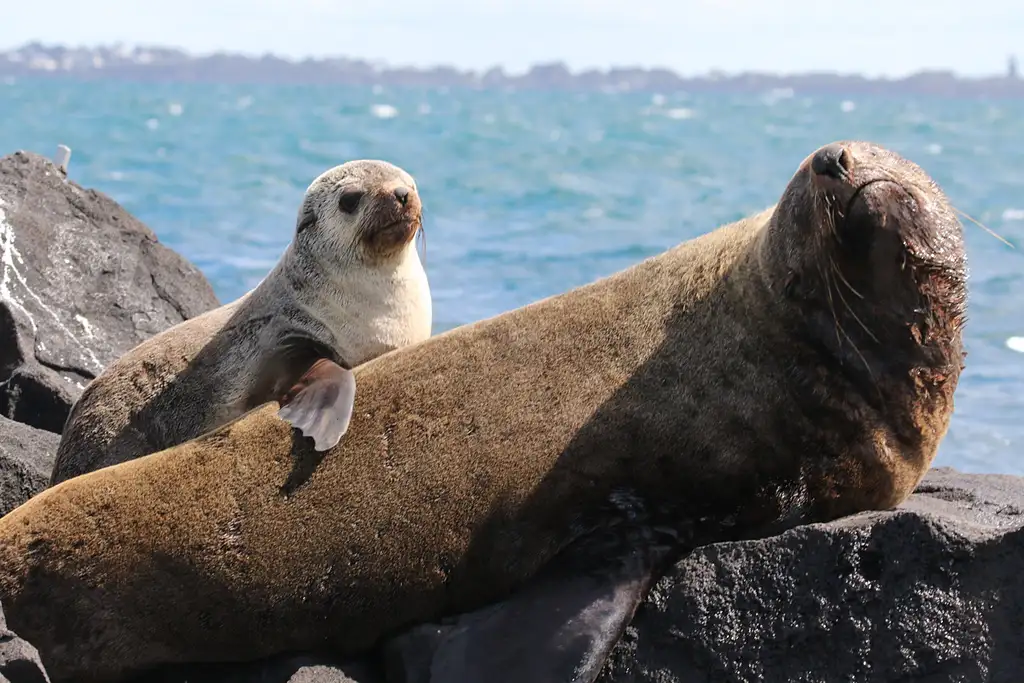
(320, 403)
(559, 628)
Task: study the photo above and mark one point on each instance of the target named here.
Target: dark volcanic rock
(281, 669)
(933, 591)
(26, 459)
(81, 282)
(19, 661)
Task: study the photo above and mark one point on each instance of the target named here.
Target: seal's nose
(402, 194)
(833, 161)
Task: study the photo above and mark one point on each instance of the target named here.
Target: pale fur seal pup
(540, 466)
(348, 288)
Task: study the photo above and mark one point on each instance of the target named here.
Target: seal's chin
(388, 239)
(868, 227)
(873, 206)
(891, 248)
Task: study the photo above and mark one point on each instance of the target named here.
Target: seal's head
(368, 209)
(864, 266)
(870, 245)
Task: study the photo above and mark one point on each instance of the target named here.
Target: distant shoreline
(171, 65)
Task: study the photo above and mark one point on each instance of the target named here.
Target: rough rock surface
(19, 661)
(282, 669)
(26, 459)
(933, 591)
(81, 282)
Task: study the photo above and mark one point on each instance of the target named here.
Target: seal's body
(530, 474)
(349, 288)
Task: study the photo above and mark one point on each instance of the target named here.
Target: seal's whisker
(830, 217)
(867, 366)
(983, 227)
(421, 238)
(850, 308)
(822, 206)
(839, 273)
(831, 303)
(830, 223)
(839, 327)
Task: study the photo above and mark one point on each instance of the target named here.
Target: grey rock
(82, 281)
(317, 673)
(26, 459)
(19, 661)
(280, 669)
(932, 591)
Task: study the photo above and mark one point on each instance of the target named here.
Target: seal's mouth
(393, 236)
(861, 188)
(879, 208)
(882, 226)
(403, 230)
(868, 214)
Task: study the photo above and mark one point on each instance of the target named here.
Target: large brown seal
(349, 287)
(540, 466)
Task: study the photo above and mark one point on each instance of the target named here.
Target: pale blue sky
(690, 36)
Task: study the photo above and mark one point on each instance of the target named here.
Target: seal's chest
(384, 312)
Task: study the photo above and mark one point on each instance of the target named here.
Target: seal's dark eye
(349, 201)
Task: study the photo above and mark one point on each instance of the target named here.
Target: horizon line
(117, 46)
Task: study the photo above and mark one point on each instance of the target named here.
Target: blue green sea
(528, 194)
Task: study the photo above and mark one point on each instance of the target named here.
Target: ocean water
(530, 194)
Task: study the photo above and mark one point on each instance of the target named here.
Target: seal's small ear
(320, 403)
(307, 218)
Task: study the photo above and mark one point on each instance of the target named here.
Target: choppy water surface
(529, 194)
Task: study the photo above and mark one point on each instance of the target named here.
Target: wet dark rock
(26, 459)
(930, 592)
(19, 661)
(281, 669)
(81, 282)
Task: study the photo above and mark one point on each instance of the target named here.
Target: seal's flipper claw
(320, 404)
(558, 628)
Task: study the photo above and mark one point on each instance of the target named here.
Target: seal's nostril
(402, 193)
(833, 161)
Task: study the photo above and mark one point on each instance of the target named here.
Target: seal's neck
(881, 362)
(367, 307)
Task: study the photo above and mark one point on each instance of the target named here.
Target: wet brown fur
(725, 386)
(206, 371)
